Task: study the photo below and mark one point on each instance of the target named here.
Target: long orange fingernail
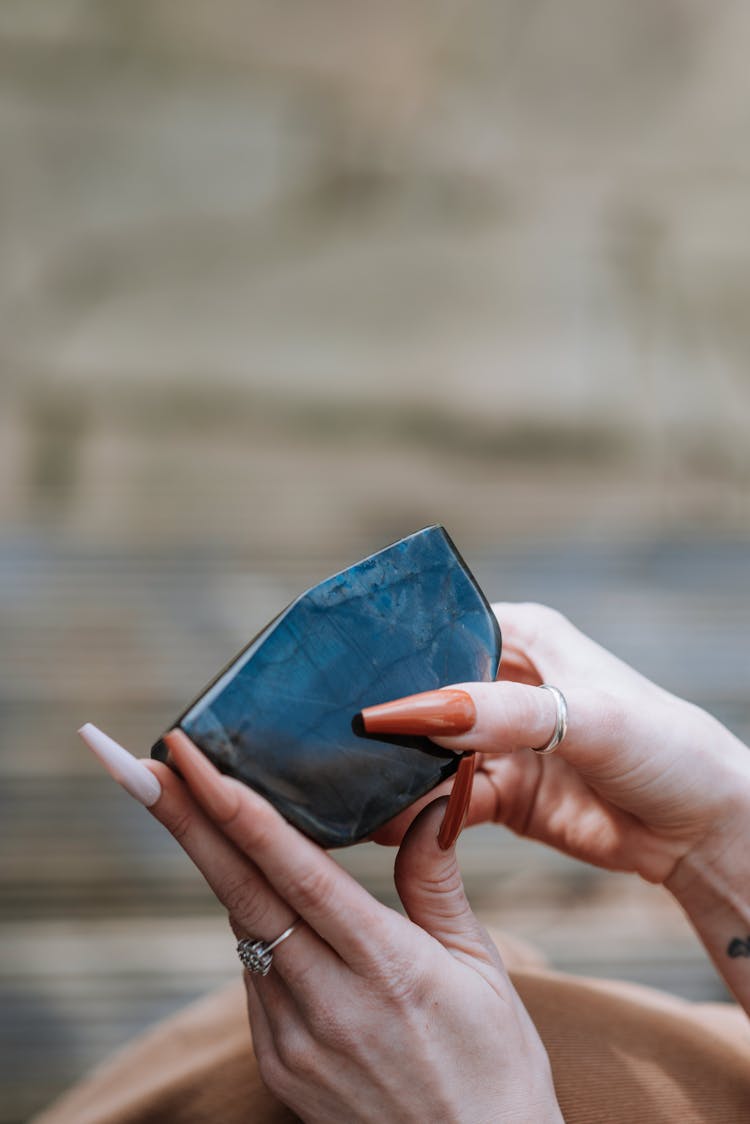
(444, 713)
(458, 803)
(202, 777)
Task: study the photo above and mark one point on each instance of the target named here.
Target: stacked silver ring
(257, 956)
(561, 722)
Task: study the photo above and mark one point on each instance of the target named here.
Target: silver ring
(561, 724)
(257, 956)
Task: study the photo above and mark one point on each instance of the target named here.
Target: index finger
(332, 903)
(541, 645)
(503, 717)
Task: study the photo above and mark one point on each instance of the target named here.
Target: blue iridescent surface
(280, 717)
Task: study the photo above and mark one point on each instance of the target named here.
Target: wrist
(712, 885)
(713, 769)
(721, 859)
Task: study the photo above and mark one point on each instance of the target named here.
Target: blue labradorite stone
(282, 716)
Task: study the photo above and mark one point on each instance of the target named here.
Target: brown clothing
(620, 1054)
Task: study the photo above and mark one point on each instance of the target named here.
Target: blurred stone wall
(283, 274)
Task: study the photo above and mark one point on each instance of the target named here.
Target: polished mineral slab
(282, 717)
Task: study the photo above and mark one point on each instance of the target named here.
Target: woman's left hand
(365, 1015)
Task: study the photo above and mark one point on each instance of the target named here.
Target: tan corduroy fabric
(620, 1054)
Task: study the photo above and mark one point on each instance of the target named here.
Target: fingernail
(204, 780)
(445, 712)
(458, 803)
(127, 770)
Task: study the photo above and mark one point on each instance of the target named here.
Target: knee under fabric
(620, 1053)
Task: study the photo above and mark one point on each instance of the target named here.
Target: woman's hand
(643, 781)
(364, 1015)
(642, 778)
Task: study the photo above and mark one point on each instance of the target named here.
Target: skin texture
(365, 1015)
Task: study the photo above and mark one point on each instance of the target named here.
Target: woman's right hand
(642, 778)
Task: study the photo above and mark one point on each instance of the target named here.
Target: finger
(539, 637)
(264, 1045)
(259, 1025)
(430, 886)
(489, 717)
(159, 790)
(482, 809)
(540, 645)
(544, 798)
(493, 798)
(392, 832)
(254, 907)
(514, 716)
(507, 717)
(274, 999)
(602, 728)
(284, 1046)
(345, 915)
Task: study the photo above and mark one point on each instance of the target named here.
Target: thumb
(429, 884)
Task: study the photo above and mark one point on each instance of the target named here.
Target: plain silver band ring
(561, 724)
(257, 956)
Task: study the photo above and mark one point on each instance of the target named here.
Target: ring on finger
(561, 721)
(257, 955)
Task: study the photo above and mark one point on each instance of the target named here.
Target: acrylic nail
(442, 713)
(204, 780)
(458, 803)
(127, 770)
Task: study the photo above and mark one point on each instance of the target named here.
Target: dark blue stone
(281, 716)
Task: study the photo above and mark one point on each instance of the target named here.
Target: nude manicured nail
(127, 770)
(443, 713)
(204, 780)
